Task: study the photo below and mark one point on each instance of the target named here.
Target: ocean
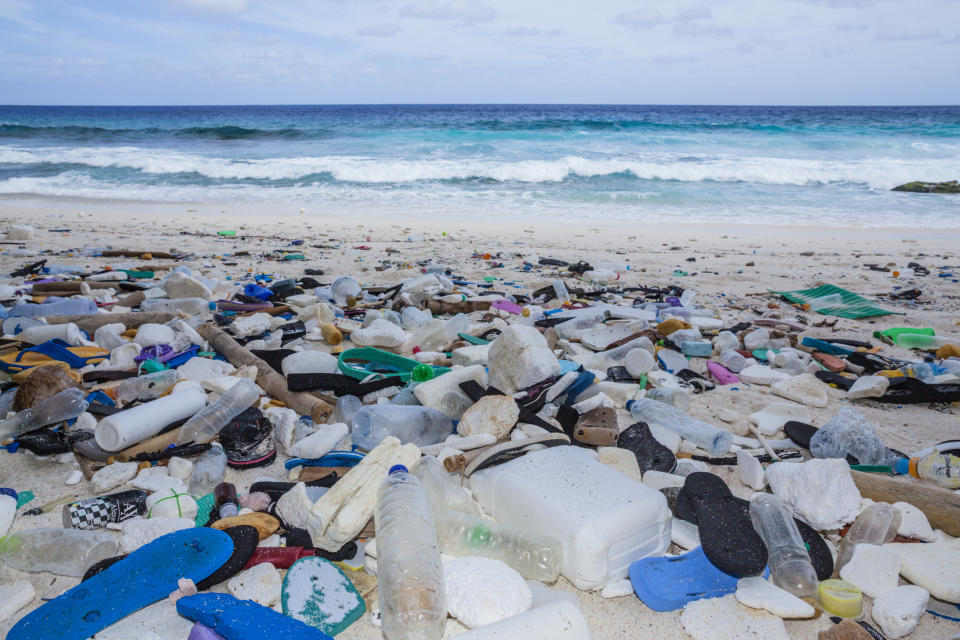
(700, 164)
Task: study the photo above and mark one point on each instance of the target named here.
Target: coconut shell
(41, 383)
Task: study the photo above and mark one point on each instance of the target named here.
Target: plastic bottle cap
(422, 373)
(841, 598)
(901, 466)
(397, 468)
(630, 403)
(212, 306)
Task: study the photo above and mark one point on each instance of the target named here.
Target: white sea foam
(881, 173)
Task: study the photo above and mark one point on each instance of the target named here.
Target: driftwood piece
(941, 506)
(271, 381)
(91, 322)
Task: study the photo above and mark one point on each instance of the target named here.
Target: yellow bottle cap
(841, 598)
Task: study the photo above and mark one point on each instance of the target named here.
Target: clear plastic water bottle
(850, 433)
(213, 417)
(406, 395)
(726, 340)
(790, 565)
(572, 327)
(560, 289)
(346, 291)
(938, 467)
(444, 489)
(71, 307)
(877, 524)
(413, 319)
(345, 409)
(208, 470)
(152, 385)
(409, 572)
(616, 356)
(65, 552)
(440, 333)
(189, 306)
(923, 370)
(676, 396)
(534, 556)
(420, 425)
(826, 302)
(703, 434)
(67, 404)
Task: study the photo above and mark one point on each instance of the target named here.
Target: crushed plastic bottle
(877, 524)
(850, 433)
(582, 322)
(71, 307)
(208, 421)
(152, 385)
(675, 396)
(409, 572)
(560, 290)
(65, 405)
(790, 566)
(534, 556)
(439, 333)
(443, 489)
(420, 425)
(189, 306)
(65, 552)
(208, 470)
(345, 409)
(703, 434)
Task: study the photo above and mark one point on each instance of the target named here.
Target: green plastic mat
(854, 306)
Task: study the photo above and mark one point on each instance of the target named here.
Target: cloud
(906, 34)
(674, 59)
(845, 4)
(224, 6)
(534, 32)
(695, 20)
(379, 31)
(640, 18)
(465, 10)
(853, 27)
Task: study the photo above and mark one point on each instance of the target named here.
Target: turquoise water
(777, 165)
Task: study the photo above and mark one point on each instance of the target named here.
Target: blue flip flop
(145, 576)
(244, 619)
(669, 583)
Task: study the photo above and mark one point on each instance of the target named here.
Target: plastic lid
(841, 598)
(901, 466)
(630, 403)
(212, 306)
(397, 468)
(422, 373)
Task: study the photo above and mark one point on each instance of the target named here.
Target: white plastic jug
(605, 520)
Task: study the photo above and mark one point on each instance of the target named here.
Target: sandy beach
(729, 266)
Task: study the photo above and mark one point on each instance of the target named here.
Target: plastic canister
(68, 332)
(604, 519)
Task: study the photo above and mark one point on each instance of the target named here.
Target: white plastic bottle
(439, 333)
(68, 332)
(65, 552)
(409, 573)
(713, 439)
(207, 423)
(580, 323)
(344, 290)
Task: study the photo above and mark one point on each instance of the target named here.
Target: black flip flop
(245, 539)
(726, 532)
(820, 556)
(799, 432)
(651, 455)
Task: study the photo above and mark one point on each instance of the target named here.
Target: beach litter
(313, 456)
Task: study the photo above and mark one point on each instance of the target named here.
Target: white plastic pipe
(127, 428)
(561, 620)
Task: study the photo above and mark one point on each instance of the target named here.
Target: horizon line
(489, 104)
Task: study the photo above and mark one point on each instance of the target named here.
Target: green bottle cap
(422, 373)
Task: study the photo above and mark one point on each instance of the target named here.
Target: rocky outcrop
(951, 186)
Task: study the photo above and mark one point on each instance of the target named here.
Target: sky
(479, 51)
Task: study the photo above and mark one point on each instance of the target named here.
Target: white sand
(720, 276)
